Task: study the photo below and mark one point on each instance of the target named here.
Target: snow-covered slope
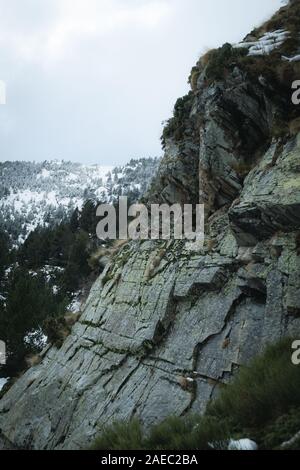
(33, 194)
(266, 43)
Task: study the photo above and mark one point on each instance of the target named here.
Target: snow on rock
(242, 444)
(50, 272)
(36, 338)
(2, 383)
(296, 58)
(266, 43)
(290, 442)
(75, 305)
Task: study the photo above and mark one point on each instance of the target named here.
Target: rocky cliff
(156, 339)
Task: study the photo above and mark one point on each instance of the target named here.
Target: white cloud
(2, 92)
(76, 20)
(92, 80)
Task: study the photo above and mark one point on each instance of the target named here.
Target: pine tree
(4, 253)
(88, 217)
(29, 302)
(74, 221)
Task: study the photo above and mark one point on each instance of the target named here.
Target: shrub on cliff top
(176, 125)
(287, 17)
(221, 59)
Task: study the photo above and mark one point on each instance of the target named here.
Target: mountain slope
(38, 194)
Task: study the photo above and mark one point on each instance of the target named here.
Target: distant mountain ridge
(36, 194)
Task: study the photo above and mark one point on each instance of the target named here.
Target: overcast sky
(92, 80)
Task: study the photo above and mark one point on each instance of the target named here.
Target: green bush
(221, 59)
(193, 78)
(56, 330)
(177, 433)
(120, 436)
(288, 17)
(281, 430)
(175, 126)
(29, 301)
(262, 403)
(189, 433)
(262, 391)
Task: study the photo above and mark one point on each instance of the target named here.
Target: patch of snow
(101, 192)
(36, 338)
(242, 444)
(55, 290)
(266, 43)
(8, 270)
(51, 272)
(296, 58)
(99, 171)
(72, 177)
(189, 379)
(44, 174)
(75, 305)
(51, 199)
(3, 381)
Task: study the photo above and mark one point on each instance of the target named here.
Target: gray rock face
(270, 200)
(229, 123)
(138, 340)
(5, 444)
(236, 122)
(150, 346)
